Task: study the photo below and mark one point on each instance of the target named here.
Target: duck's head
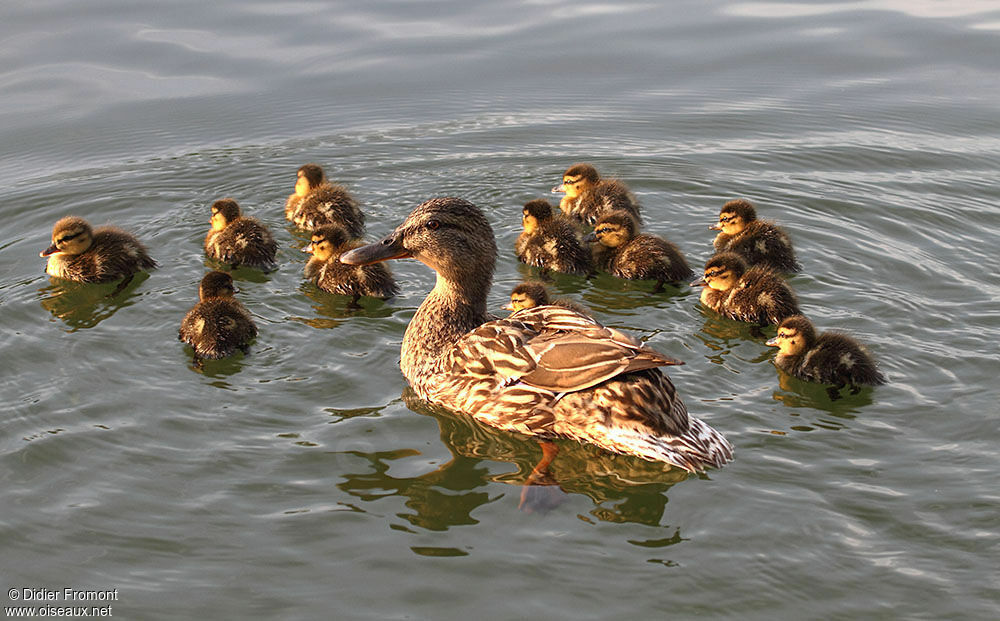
(224, 211)
(795, 335)
(307, 178)
(735, 216)
(528, 295)
(326, 240)
(70, 235)
(613, 229)
(216, 284)
(722, 271)
(534, 213)
(577, 179)
(449, 235)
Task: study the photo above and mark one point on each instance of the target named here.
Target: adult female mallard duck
(753, 294)
(759, 242)
(627, 254)
(546, 371)
(316, 202)
(531, 294)
(588, 196)
(105, 254)
(237, 240)
(827, 358)
(551, 243)
(329, 274)
(218, 324)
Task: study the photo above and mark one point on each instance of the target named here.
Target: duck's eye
(726, 219)
(433, 225)
(63, 240)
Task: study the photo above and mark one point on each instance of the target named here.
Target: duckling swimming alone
(329, 274)
(829, 358)
(545, 371)
(218, 324)
(316, 202)
(637, 257)
(532, 294)
(239, 240)
(549, 242)
(758, 241)
(588, 196)
(753, 294)
(105, 254)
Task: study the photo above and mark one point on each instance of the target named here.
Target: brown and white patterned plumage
(550, 242)
(588, 196)
(316, 202)
(753, 294)
(237, 240)
(546, 371)
(759, 242)
(105, 254)
(827, 358)
(218, 325)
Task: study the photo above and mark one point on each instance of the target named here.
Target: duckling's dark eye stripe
(63, 240)
(727, 219)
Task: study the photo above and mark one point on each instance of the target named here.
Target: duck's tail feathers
(699, 447)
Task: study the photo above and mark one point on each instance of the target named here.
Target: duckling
(239, 240)
(827, 358)
(329, 274)
(753, 294)
(588, 196)
(105, 254)
(545, 371)
(316, 202)
(218, 324)
(758, 241)
(532, 294)
(551, 243)
(627, 254)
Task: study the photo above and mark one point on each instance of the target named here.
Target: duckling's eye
(433, 225)
(63, 240)
(726, 219)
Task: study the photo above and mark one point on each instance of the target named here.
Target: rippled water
(302, 481)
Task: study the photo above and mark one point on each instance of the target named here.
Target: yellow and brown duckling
(329, 274)
(546, 371)
(237, 240)
(532, 294)
(218, 325)
(588, 196)
(759, 242)
(627, 254)
(752, 294)
(550, 242)
(827, 358)
(84, 254)
(316, 202)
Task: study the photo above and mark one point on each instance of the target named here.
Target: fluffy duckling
(316, 202)
(218, 324)
(329, 274)
(236, 239)
(627, 254)
(551, 243)
(760, 242)
(753, 294)
(105, 254)
(545, 371)
(588, 196)
(532, 294)
(827, 358)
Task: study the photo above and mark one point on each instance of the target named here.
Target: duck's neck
(448, 312)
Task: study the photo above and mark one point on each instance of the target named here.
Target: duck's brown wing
(556, 349)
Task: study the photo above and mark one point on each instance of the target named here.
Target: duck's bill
(51, 250)
(715, 227)
(509, 307)
(772, 342)
(387, 248)
(559, 189)
(308, 248)
(699, 283)
(590, 238)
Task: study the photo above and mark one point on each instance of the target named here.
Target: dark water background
(297, 483)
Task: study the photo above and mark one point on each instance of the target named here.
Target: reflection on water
(333, 309)
(85, 305)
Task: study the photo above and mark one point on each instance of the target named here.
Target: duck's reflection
(623, 489)
(85, 305)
